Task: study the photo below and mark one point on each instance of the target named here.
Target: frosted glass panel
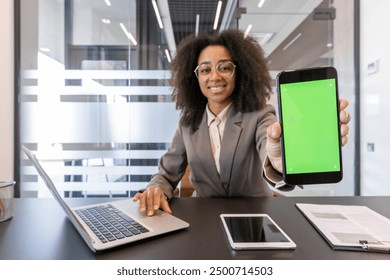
(96, 115)
(99, 122)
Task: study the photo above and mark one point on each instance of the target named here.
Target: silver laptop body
(158, 224)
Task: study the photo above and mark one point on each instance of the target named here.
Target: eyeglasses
(224, 68)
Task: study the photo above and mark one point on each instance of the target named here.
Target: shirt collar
(222, 115)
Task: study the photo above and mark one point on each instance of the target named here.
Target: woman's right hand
(152, 199)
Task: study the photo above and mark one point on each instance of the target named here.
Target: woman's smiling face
(216, 85)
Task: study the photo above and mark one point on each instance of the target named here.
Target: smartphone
(254, 231)
(309, 116)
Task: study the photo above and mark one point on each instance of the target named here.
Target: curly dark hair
(253, 82)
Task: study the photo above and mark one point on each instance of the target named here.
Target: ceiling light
(248, 29)
(108, 2)
(157, 14)
(106, 20)
(261, 3)
(197, 24)
(217, 15)
(168, 55)
(128, 34)
(44, 49)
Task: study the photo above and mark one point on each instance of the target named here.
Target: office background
(369, 98)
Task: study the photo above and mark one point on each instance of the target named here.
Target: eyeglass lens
(224, 68)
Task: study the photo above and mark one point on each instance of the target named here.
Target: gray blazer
(241, 159)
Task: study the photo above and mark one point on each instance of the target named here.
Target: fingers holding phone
(274, 150)
(345, 118)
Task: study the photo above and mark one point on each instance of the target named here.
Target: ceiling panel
(184, 16)
(277, 17)
(278, 21)
(274, 24)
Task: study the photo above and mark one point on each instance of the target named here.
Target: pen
(374, 247)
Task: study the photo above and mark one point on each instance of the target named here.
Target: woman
(227, 134)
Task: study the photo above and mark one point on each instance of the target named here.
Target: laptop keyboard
(110, 224)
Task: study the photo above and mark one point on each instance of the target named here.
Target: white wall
(375, 97)
(7, 90)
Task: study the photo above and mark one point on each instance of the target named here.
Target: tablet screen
(254, 229)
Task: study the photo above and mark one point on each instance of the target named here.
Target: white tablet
(255, 231)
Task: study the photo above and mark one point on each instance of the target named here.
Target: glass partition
(95, 100)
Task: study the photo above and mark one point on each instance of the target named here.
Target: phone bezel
(303, 75)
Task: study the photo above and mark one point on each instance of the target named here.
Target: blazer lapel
(229, 145)
(201, 141)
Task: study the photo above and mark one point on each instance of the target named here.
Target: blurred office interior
(86, 83)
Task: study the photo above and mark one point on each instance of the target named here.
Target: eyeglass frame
(215, 67)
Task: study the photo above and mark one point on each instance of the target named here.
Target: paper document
(349, 227)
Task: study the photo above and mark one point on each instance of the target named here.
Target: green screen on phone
(310, 126)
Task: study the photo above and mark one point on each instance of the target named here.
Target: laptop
(107, 225)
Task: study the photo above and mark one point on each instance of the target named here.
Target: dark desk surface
(40, 230)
